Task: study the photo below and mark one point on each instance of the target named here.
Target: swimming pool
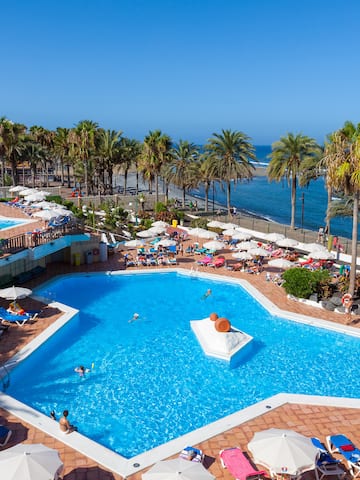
(6, 222)
(151, 381)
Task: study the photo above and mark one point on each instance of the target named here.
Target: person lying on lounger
(14, 307)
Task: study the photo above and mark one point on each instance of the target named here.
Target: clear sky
(187, 67)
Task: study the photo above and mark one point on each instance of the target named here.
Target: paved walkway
(306, 419)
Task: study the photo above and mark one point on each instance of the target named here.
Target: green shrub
(302, 283)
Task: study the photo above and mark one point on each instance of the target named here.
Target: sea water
(272, 200)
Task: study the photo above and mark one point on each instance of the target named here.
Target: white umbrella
(242, 255)
(259, 252)
(274, 237)
(311, 247)
(246, 245)
(17, 188)
(242, 236)
(160, 223)
(157, 229)
(281, 263)
(145, 234)
(196, 232)
(283, 451)
(177, 469)
(321, 255)
(229, 232)
(46, 214)
(14, 293)
(166, 242)
(34, 197)
(30, 462)
(215, 224)
(287, 243)
(134, 243)
(226, 226)
(214, 245)
(44, 204)
(27, 191)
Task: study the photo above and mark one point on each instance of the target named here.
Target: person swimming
(206, 294)
(81, 370)
(134, 317)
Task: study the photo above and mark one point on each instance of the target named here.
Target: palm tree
(62, 151)
(288, 160)
(155, 154)
(12, 136)
(82, 138)
(182, 170)
(45, 138)
(343, 164)
(130, 150)
(109, 151)
(231, 152)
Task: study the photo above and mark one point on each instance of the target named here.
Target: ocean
(272, 201)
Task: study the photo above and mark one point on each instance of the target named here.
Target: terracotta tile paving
(307, 419)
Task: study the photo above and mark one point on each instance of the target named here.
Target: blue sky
(188, 68)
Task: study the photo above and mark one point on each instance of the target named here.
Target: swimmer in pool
(81, 370)
(206, 294)
(134, 317)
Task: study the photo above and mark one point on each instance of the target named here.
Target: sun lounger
(192, 454)
(20, 320)
(239, 465)
(341, 444)
(217, 263)
(5, 435)
(205, 260)
(326, 464)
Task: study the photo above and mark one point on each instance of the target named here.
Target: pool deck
(312, 419)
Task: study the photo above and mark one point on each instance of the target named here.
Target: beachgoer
(65, 425)
(134, 317)
(191, 455)
(207, 294)
(81, 370)
(14, 307)
(320, 235)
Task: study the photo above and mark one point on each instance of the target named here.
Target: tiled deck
(307, 419)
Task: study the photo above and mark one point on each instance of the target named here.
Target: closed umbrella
(30, 462)
(283, 451)
(177, 469)
(15, 293)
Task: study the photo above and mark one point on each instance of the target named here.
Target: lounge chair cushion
(348, 448)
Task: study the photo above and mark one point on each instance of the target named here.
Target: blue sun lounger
(341, 444)
(326, 464)
(20, 320)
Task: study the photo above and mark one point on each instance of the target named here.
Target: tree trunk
(228, 196)
(327, 218)
(293, 201)
(183, 199)
(354, 244)
(157, 188)
(207, 186)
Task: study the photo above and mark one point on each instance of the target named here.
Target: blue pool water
(9, 223)
(151, 381)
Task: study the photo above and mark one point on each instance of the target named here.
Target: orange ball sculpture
(222, 325)
(214, 316)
